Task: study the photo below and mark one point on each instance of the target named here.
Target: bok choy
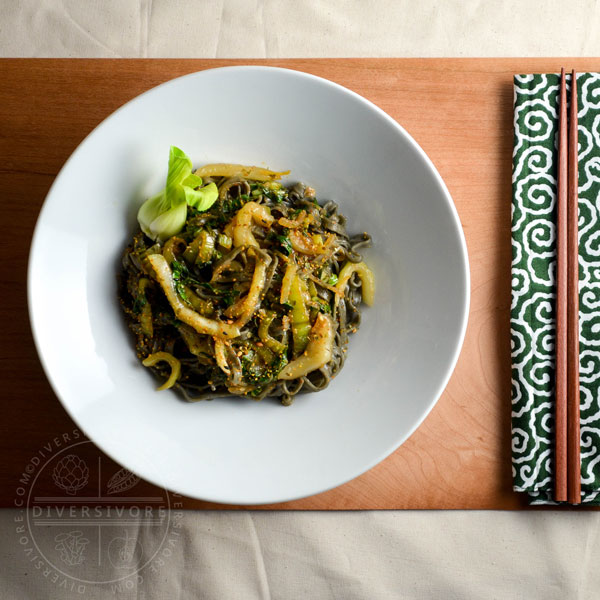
(164, 215)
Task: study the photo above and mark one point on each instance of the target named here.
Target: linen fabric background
(376, 555)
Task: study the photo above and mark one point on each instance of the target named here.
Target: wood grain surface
(458, 110)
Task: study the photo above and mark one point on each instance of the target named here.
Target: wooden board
(459, 111)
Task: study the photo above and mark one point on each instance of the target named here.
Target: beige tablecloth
(298, 28)
(449, 555)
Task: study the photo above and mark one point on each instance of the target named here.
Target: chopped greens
(283, 241)
(230, 296)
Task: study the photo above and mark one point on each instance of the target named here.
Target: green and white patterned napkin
(533, 283)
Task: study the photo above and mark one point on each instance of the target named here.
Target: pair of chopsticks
(567, 440)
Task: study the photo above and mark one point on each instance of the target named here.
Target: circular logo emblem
(83, 520)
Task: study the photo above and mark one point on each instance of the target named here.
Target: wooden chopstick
(560, 431)
(573, 433)
(567, 481)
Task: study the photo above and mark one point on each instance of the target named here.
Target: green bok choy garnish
(164, 215)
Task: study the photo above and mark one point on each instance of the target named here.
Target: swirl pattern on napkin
(533, 282)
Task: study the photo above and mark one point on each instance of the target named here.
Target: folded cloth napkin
(535, 161)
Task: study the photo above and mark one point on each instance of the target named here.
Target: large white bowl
(233, 450)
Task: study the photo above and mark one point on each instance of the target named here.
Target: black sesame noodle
(265, 261)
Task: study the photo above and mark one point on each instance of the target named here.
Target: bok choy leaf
(164, 215)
